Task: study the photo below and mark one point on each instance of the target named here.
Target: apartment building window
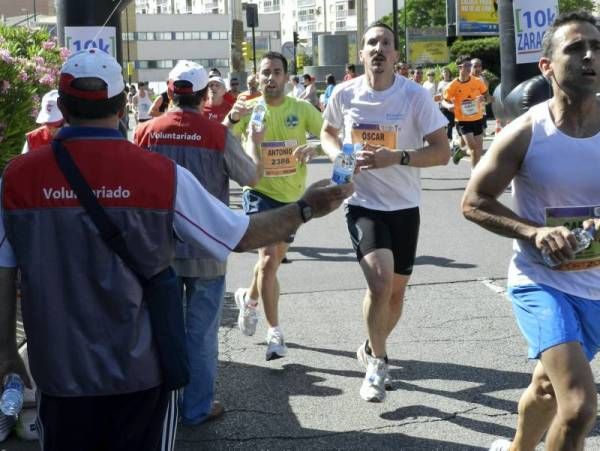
(304, 15)
(340, 25)
(263, 34)
(164, 64)
(188, 35)
(270, 6)
(145, 36)
(128, 36)
(154, 64)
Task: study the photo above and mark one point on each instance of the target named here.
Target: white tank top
(143, 105)
(557, 171)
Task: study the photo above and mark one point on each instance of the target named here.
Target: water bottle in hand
(343, 166)
(11, 401)
(258, 116)
(583, 238)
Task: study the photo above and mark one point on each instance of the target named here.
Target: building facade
(11, 8)
(153, 43)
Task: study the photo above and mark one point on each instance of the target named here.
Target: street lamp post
(26, 11)
(128, 43)
(405, 31)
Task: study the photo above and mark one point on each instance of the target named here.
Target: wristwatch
(305, 210)
(404, 158)
(231, 119)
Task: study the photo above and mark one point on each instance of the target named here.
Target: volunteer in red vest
(89, 336)
(51, 119)
(209, 151)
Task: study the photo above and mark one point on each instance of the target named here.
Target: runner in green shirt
(283, 152)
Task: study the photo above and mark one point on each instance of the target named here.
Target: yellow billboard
(428, 52)
(427, 46)
(476, 17)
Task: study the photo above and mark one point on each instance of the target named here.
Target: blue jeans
(204, 304)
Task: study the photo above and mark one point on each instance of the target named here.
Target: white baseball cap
(49, 111)
(191, 72)
(92, 63)
(217, 79)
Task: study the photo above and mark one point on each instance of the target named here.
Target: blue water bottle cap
(348, 149)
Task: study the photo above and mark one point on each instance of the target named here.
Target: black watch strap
(231, 119)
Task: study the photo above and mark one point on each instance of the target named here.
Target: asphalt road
(457, 359)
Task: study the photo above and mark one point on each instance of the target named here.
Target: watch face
(405, 158)
(306, 213)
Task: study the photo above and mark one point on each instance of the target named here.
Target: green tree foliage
(575, 5)
(419, 13)
(486, 49)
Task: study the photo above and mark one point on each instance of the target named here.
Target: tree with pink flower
(29, 63)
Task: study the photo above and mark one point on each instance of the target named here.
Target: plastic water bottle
(12, 396)
(584, 239)
(343, 166)
(258, 116)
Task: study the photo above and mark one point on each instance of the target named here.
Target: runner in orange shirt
(469, 96)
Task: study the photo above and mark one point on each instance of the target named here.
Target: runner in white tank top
(142, 103)
(553, 154)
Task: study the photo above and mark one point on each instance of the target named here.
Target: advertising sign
(83, 38)
(427, 46)
(532, 18)
(476, 17)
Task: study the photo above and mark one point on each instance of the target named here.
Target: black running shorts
(475, 127)
(396, 230)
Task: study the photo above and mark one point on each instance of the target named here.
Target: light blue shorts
(548, 317)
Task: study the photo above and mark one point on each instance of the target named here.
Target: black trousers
(129, 422)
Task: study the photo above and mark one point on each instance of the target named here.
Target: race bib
(571, 218)
(376, 135)
(277, 158)
(469, 107)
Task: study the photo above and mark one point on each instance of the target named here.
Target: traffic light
(245, 50)
(296, 38)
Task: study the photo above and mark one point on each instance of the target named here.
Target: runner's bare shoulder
(513, 141)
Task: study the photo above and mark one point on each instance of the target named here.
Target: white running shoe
(276, 347)
(361, 355)
(501, 444)
(248, 316)
(373, 388)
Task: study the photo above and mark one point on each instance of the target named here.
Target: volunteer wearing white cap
(51, 119)
(217, 106)
(89, 337)
(209, 151)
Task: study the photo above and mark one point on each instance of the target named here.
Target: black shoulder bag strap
(161, 292)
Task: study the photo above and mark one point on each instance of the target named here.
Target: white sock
(274, 329)
(249, 301)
